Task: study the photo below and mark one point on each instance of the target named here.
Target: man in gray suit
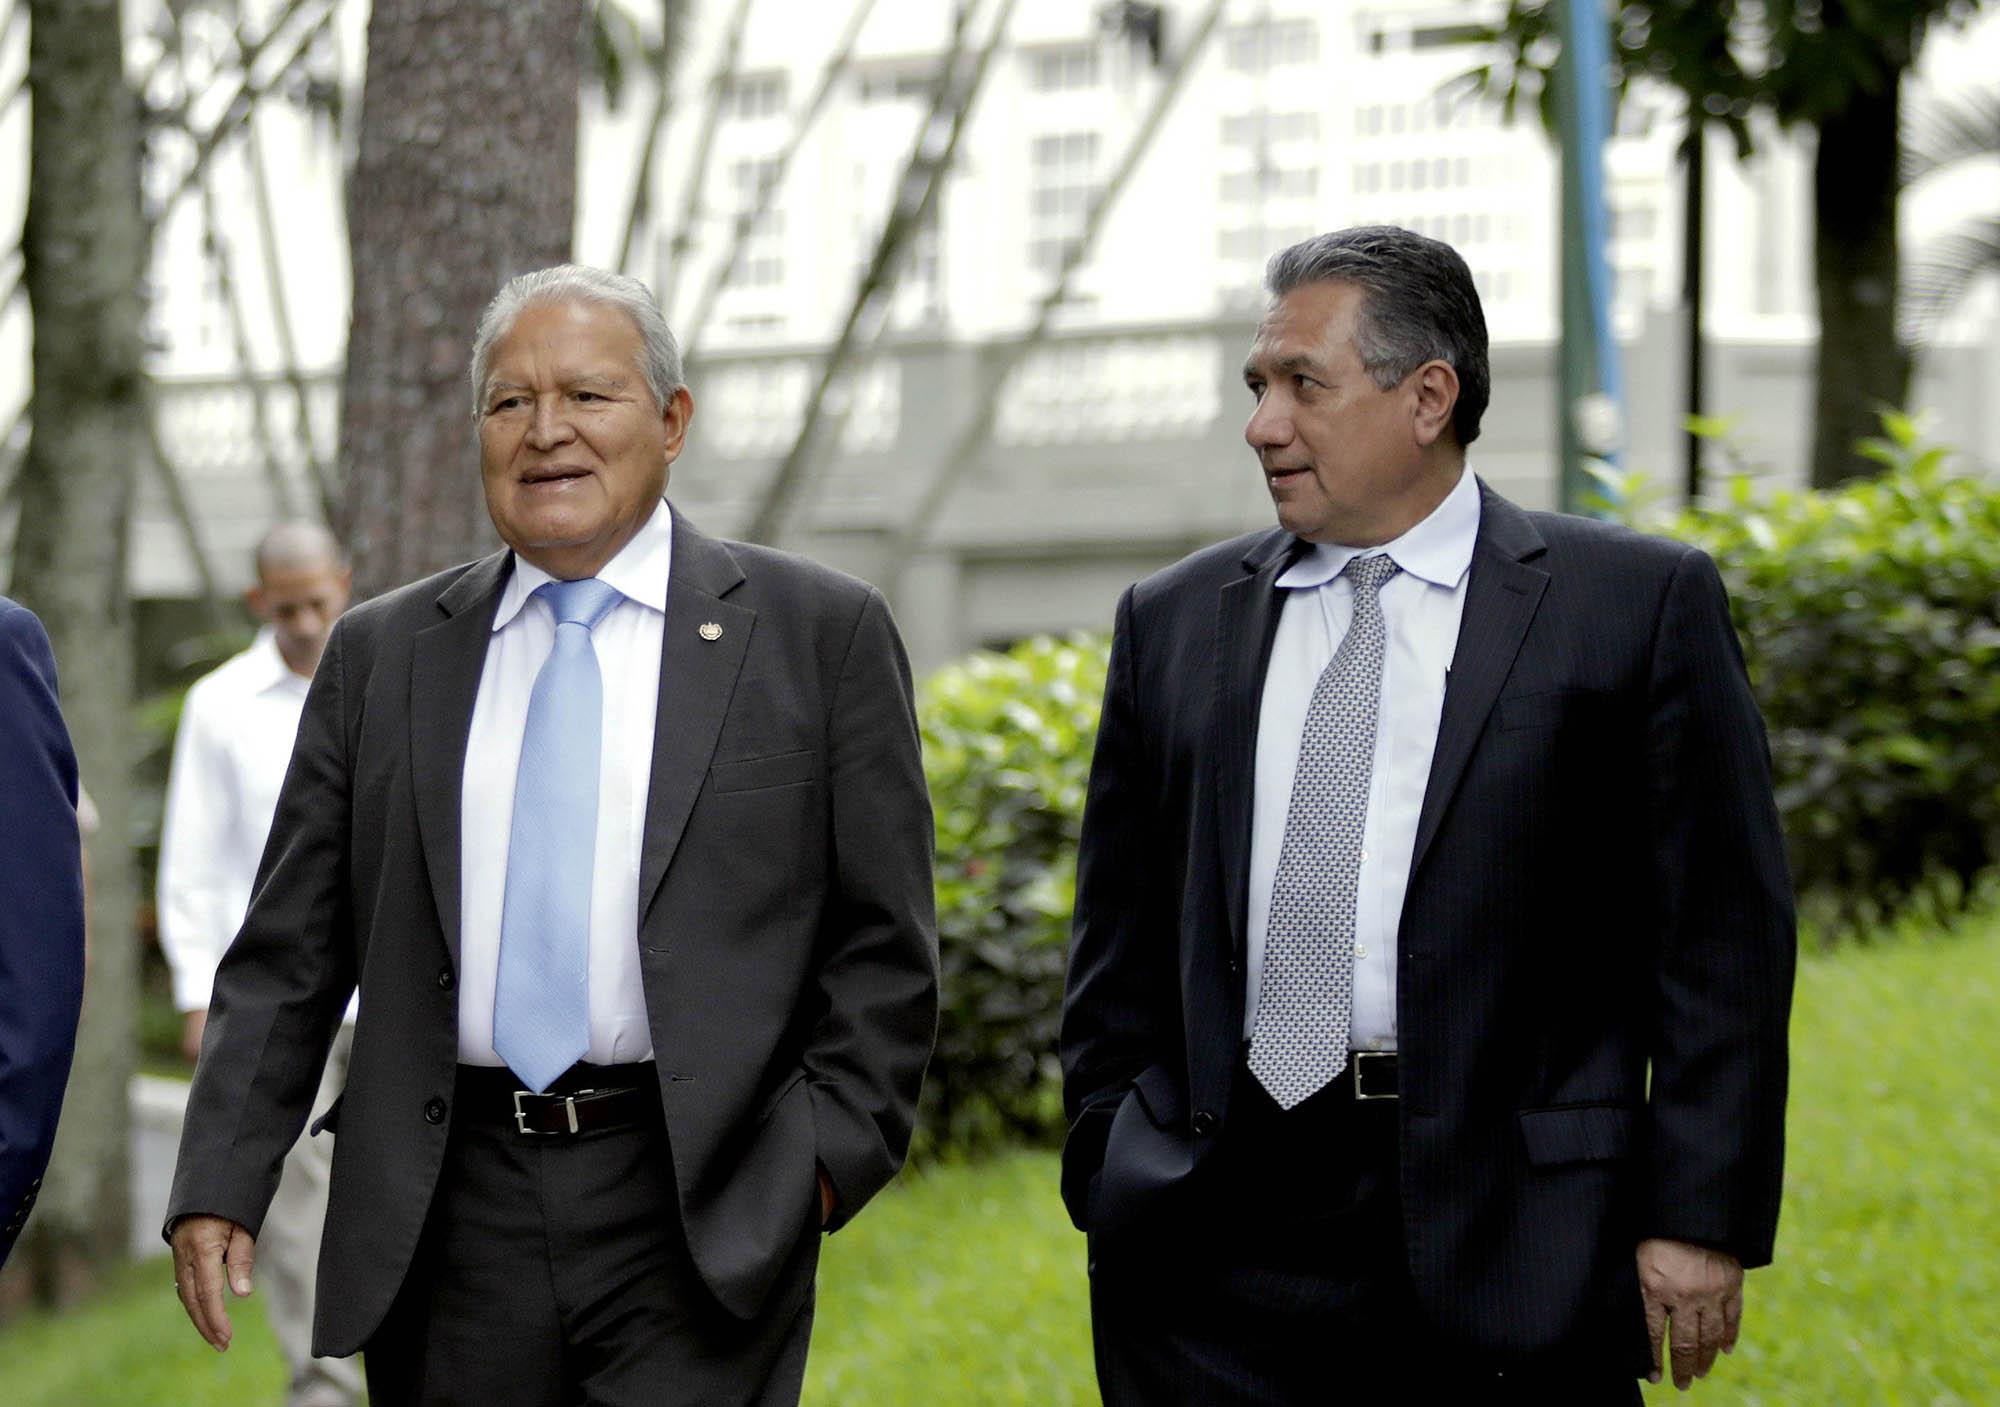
(623, 835)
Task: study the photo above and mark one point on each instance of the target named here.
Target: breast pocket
(783, 769)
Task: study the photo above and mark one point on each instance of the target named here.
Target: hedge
(1870, 619)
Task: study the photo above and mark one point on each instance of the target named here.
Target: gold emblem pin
(711, 631)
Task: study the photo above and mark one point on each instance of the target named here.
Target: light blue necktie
(541, 1006)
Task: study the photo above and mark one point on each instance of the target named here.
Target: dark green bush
(1870, 616)
(1007, 743)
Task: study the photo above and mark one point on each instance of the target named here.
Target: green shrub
(1870, 617)
(1007, 743)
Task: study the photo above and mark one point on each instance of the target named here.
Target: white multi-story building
(1113, 446)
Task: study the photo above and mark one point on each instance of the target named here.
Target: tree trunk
(466, 176)
(83, 249)
(1861, 367)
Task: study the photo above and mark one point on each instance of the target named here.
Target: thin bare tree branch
(181, 508)
(249, 92)
(951, 469)
(281, 320)
(917, 195)
(641, 207)
(772, 177)
(704, 146)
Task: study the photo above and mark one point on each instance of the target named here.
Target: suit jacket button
(1204, 1122)
(445, 979)
(434, 1111)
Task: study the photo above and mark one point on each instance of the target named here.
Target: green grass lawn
(964, 1287)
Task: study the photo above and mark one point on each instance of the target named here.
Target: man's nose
(550, 426)
(1269, 425)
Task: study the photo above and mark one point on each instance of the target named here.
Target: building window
(897, 85)
(760, 258)
(1068, 69)
(1633, 222)
(1266, 44)
(1444, 36)
(755, 95)
(1062, 181)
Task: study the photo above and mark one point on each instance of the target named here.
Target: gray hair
(659, 354)
(1420, 305)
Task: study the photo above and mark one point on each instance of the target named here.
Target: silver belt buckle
(568, 1106)
(1354, 1064)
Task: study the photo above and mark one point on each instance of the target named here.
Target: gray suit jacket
(788, 938)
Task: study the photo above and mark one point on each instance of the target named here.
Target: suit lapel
(697, 677)
(445, 665)
(1246, 624)
(1501, 598)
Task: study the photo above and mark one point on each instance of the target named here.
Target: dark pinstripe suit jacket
(1595, 955)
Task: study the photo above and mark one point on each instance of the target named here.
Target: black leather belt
(585, 1111)
(605, 1098)
(1374, 1073)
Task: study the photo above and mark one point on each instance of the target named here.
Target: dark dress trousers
(1595, 952)
(786, 927)
(41, 913)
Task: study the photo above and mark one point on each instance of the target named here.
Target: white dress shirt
(627, 641)
(235, 741)
(1421, 609)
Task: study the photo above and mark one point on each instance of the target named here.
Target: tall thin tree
(83, 249)
(466, 176)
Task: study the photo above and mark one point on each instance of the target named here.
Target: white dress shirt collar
(1437, 550)
(639, 571)
(263, 666)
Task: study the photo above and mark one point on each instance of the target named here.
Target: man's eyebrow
(1296, 361)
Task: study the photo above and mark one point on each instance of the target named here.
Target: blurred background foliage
(1870, 620)
(1007, 743)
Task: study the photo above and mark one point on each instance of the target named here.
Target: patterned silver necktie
(1306, 997)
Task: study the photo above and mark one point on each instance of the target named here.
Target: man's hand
(197, 1022)
(205, 1249)
(826, 1198)
(1701, 1291)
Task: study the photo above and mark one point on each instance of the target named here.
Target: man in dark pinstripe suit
(1434, 943)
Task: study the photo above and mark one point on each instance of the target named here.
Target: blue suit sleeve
(41, 913)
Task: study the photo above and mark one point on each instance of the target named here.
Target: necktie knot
(1369, 573)
(584, 602)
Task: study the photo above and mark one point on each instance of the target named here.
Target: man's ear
(253, 601)
(1437, 397)
(677, 415)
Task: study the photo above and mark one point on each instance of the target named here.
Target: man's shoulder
(20, 628)
(1584, 543)
(414, 606)
(231, 677)
(791, 575)
(1211, 568)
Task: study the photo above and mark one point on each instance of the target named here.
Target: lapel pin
(710, 631)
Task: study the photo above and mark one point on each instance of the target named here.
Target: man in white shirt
(235, 741)
(1425, 1032)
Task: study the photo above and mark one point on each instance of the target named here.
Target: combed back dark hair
(1420, 306)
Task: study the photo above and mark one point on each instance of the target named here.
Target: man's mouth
(1278, 474)
(552, 474)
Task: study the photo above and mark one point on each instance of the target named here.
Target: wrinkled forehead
(568, 335)
(1311, 323)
